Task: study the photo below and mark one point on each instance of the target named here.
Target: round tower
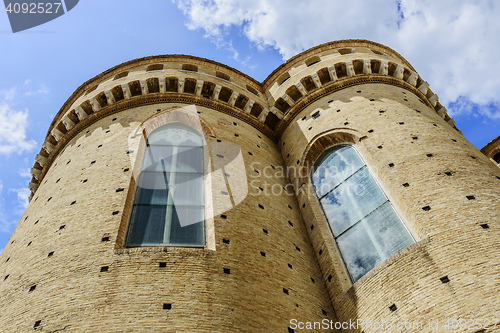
(174, 193)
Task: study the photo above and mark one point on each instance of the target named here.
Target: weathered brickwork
(269, 257)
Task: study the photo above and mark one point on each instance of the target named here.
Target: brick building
(177, 194)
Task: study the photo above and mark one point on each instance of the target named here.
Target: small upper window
(363, 222)
(168, 207)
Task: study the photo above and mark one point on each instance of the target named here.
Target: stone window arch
(168, 204)
(363, 222)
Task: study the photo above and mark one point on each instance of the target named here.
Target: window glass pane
(147, 225)
(168, 204)
(151, 189)
(373, 240)
(190, 159)
(386, 228)
(188, 189)
(334, 167)
(351, 201)
(157, 158)
(187, 226)
(358, 251)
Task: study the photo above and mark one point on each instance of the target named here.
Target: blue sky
(452, 44)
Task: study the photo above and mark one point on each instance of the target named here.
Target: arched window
(363, 222)
(168, 207)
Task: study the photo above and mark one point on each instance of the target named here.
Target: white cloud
(22, 197)
(452, 44)
(13, 125)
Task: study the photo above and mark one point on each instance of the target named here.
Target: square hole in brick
(291, 330)
(304, 118)
(223, 216)
(415, 137)
(37, 323)
(310, 128)
(323, 311)
(224, 192)
(236, 135)
(57, 181)
(227, 271)
(162, 264)
(448, 173)
(312, 227)
(50, 254)
(113, 119)
(484, 226)
(92, 162)
(99, 146)
(303, 205)
(84, 181)
(72, 203)
(6, 277)
(115, 212)
(225, 241)
(219, 155)
(289, 206)
(320, 252)
(312, 280)
(290, 223)
(471, 197)
(104, 268)
(218, 140)
(32, 288)
(391, 165)
(29, 243)
(126, 169)
(62, 227)
(167, 306)
(381, 111)
(372, 99)
(406, 184)
(119, 190)
(453, 140)
(426, 208)
(338, 110)
(265, 231)
(346, 123)
(263, 253)
(370, 131)
(285, 291)
(329, 278)
(297, 248)
(428, 155)
(105, 239)
(379, 147)
(445, 279)
(316, 115)
(250, 153)
(49, 199)
(290, 266)
(393, 308)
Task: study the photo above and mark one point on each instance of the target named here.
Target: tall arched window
(363, 222)
(168, 206)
